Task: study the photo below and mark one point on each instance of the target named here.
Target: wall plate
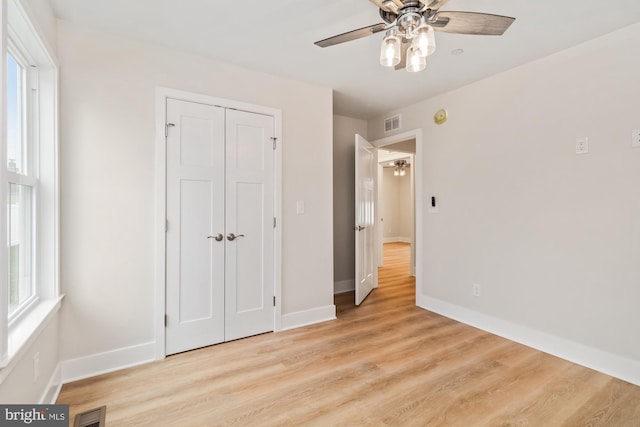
(582, 145)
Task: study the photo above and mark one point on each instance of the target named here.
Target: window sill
(25, 331)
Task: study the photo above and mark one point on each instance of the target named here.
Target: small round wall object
(440, 116)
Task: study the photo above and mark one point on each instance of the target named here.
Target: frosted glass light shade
(424, 40)
(415, 61)
(390, 51)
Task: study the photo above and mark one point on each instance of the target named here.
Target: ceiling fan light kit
(400, 168)
(410, 26)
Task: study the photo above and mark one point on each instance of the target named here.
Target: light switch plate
(635, 138)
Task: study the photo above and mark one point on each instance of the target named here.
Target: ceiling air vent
(392, 123)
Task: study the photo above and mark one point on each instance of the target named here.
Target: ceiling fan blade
(471, 23)
(351, 35)
(434, 4)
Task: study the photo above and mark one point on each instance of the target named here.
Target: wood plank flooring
(386, 363)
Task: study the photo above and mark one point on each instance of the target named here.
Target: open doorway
(395, 226)
(344, 196)
(396, 205)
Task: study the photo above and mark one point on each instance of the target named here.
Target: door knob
(231, 237)
(359, 228)
(218, 237)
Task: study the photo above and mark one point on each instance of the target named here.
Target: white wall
(397, 209)
(552, 237)
(107, 179)
(344, 130)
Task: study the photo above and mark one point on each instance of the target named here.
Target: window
(21, 181)
(29, 293)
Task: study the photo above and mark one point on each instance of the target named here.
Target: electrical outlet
(36, 367)
(582, 145)
(635, 138)
(476, 290)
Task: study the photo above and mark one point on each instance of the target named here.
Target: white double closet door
(220, 232)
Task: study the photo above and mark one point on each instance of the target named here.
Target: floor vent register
(92, 418)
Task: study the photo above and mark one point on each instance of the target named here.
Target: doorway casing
(162, 94)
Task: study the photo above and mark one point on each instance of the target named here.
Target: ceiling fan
(410, 26)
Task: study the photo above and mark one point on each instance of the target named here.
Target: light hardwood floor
(386, 363)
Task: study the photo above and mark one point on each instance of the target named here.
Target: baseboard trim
(52, 391)
(102, 363)
(590, 357)
(396, 240)
(308, 317)
(344, 286)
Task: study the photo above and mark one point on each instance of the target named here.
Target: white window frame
(28, 177)
(20, 35)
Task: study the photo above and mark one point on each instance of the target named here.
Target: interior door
(195, 223)
(249, 223)
(366, 267)
(220, 229)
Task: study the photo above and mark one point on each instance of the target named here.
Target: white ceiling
(277, 37)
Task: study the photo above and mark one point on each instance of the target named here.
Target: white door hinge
(274, 222)
(166, 320)
(166, 226)
(274, 301)
(274, 139)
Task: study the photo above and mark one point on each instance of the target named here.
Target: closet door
(249, 224)
(195, 216)
(220, 235)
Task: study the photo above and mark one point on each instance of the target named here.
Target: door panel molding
(162, 94)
